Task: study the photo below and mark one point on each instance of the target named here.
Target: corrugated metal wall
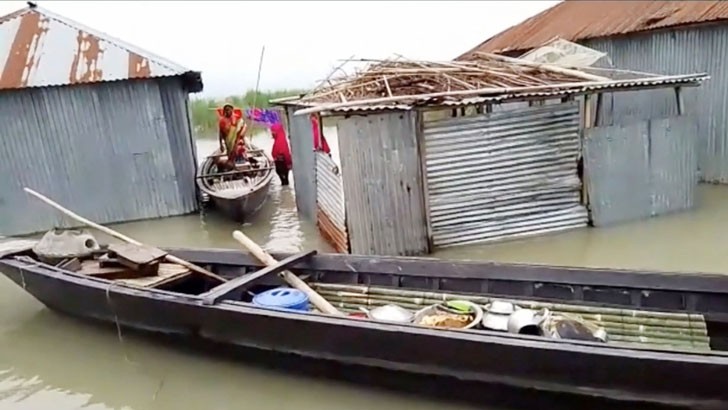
(304, 162)
(640, 170)
(503, 175)
(383, 189)
(112, 152)
(678, 51)
(330, 214)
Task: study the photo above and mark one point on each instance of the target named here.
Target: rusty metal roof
(579, 20)
(39, 48)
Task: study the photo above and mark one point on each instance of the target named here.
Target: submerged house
(440, 154)
(92, 122)
(669, 37)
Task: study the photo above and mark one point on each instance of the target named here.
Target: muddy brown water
(52, 362)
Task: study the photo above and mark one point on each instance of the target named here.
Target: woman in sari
(281, 153)
(231, 134)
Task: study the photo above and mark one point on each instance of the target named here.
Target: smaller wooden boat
(239, 193)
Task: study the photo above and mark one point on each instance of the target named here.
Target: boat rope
(34, 263)
(121, 341)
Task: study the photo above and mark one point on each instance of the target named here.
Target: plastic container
(282, 298)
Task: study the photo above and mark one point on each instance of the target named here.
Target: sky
(304, 40)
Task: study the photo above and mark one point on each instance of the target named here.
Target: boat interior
(243, 177)
(425, 292)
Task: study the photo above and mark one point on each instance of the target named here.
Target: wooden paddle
(117, 235)
(293, 280)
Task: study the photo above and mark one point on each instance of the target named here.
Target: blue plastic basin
(282, 298)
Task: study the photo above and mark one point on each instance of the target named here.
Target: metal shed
(95, 123)
(490, 149)
(670, 37)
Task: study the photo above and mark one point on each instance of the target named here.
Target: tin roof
(39, 48)
(580, 20)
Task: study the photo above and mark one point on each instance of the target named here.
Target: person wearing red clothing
(281, 153)
(319, 142)
(231, 135)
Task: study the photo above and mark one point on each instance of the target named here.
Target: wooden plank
(137, 254)
(219, 292)
(93, 268)
(232, 173)
(168, 272)
(73, 265)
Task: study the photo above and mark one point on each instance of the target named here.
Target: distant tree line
(204, 118)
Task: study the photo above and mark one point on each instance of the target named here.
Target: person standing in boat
(231, 134)
(281, 153)
(319, 142)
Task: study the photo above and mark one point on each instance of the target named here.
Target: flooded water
(50, 362)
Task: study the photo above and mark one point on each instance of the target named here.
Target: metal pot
(496, 317)
(390, 313)
(525, 321)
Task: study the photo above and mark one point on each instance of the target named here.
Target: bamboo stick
(442, 296)
(576, 86)
(620, 322)
(614, 331)
(117, 235)
(293, 280)
(614, 322)
(549, 67)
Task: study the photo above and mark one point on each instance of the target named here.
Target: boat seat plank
(226, 289)
(168, 272)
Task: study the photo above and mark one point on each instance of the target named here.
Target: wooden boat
(239, 193)
(668, 330)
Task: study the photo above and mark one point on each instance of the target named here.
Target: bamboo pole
(642, 334)
(371, 292)
(120, 236)
(548, 67)
(293, 280)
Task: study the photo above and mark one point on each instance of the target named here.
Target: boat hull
(241, 207)
(584, 370)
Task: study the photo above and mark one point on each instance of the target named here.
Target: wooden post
(587, 123)
(293, 280)
(679, 100)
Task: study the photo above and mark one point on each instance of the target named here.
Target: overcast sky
(303, 40)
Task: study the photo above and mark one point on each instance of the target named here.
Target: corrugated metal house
(482, 151)
(92, 122)
(653, 36)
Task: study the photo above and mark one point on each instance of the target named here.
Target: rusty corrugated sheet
(39, 48)
(581, 20)
(331, 213)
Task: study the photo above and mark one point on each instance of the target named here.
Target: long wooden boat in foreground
(240, 193)
(666, 331)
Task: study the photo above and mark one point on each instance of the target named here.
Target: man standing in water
(231, 135)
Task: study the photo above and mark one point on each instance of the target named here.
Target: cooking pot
(525, 322)
(496, 316)
(390, 313)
